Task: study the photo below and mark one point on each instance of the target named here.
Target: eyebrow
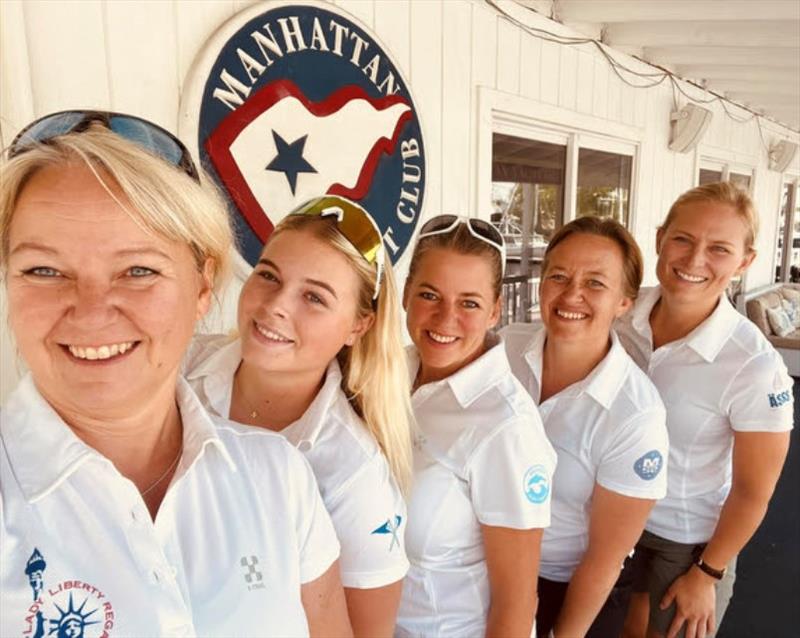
(313, 282)
(462, 294)
(713, 241)
(43, 248)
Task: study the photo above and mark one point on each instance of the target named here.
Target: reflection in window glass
(708, 176)
(742, 181)
(528, 207)
(604, 183)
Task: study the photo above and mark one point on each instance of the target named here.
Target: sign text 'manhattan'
(339, 40)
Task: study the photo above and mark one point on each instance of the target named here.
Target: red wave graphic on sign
(218, 144)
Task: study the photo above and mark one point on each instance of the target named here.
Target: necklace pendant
(254, 414)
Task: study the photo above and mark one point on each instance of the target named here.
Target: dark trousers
(609, 621)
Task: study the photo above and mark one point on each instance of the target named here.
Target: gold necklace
(253, 412)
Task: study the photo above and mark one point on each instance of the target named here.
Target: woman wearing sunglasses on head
(604, 418)
(126, 508)
(482, 465)
(319, 359)
(729, 411)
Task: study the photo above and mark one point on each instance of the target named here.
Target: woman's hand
(325, 607)
(695, 597)
(512, 559)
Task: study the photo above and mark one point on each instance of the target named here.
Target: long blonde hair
(374, 370)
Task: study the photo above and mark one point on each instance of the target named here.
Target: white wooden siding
(134, 56)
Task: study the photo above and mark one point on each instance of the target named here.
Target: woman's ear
(360, 327)
(494, 317)
(206, 288)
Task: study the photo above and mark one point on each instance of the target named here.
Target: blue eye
(557, 277)
(428, 296)
(141, 271)
(42, 271)
(268, 275)
(596, 283)
(471, 305)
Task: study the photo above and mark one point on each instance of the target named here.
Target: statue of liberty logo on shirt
(70, 622)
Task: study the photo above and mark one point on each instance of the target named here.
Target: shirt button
(304, 446)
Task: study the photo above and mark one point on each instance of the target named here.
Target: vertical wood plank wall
(134, 56)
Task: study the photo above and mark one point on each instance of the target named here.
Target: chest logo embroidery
(390, 527)
(68, 609)
(536, 484)
(649, 465)
(253, 576)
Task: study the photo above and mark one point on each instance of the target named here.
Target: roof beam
(756, 33)
(766, 100)
(753, 86)
(727, 55)
(742, 73)
(609, 11)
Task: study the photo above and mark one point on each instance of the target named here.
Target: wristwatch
(706, 568)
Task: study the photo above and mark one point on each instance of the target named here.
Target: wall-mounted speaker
(688, 126)
(781, 155)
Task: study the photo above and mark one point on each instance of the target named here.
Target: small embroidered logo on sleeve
(536, 484)
(776, 400)
(390, 527)
(649, 465)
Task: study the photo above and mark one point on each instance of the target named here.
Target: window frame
(784, 268)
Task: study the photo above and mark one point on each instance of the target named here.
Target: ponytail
(376, 378)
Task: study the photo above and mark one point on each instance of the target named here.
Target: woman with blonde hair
(482, 464)
(119, 492)
(729, 411)
(318, 358)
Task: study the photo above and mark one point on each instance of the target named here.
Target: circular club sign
(292, 101)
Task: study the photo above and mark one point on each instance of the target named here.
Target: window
(604, 183)
(534, 192)
(708, 176)
(528, 207)
(787, 252)
(714, 171)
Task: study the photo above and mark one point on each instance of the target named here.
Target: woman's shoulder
(202, 348)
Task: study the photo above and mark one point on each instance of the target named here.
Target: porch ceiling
(746, 50)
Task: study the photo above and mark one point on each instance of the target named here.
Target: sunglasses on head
(478, 228)
(357, 226)
(144, 134)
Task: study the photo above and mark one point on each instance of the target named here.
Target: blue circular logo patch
(299, 101)
(536, 484)
(649, 465)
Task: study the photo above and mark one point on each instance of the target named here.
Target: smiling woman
(604, 418)
(318, 359)
(110, 254)
(482, 465)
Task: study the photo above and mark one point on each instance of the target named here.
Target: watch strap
(707, 569)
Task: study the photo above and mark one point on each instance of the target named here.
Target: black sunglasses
(144, 134)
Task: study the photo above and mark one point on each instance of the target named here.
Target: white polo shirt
(240, 529)
(608, 429)
(481, 457)
(724, 376)
(357, 486)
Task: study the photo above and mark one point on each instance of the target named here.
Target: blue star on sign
(289, 159)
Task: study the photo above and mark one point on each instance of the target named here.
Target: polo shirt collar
(707, 339)
(44, 452)
(216, 375)
(474, 379)
(308, 427)
(603, 383)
